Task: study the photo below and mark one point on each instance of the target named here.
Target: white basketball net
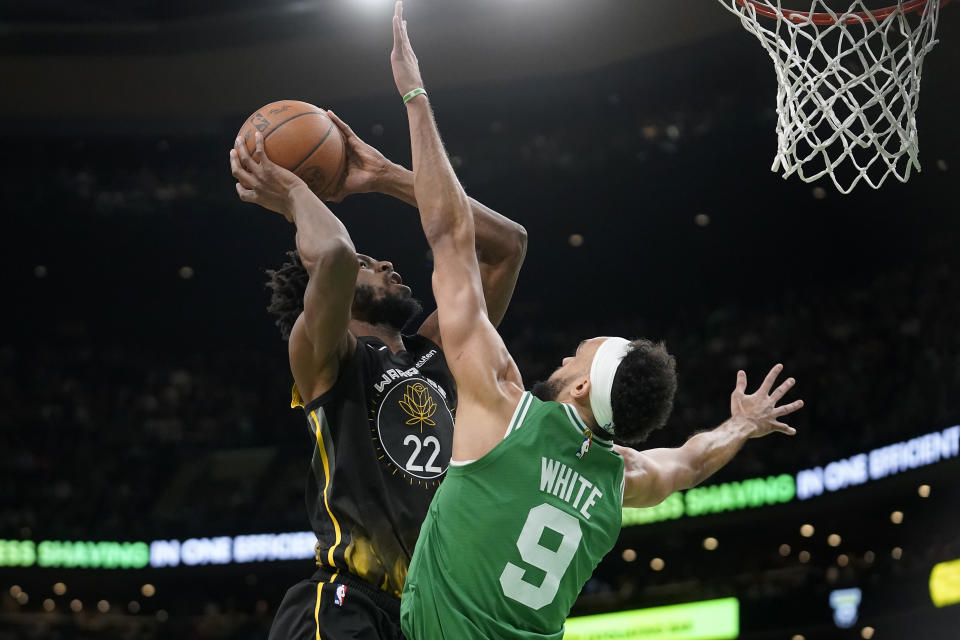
(849, 90)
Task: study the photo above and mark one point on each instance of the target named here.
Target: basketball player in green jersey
(532, 499)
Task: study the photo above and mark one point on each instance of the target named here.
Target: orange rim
(854, 17)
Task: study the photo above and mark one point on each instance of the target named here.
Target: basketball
(300, 137)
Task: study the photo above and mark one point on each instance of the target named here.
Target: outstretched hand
(366, 166)
(406, 67)
(262, 181)
(761, 407)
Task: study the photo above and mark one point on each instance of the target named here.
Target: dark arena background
(151, 470)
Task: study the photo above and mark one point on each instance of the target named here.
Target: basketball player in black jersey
(379, 405)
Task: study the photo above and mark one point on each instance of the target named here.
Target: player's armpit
(651, 476)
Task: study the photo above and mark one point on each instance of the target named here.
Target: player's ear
(581, 389)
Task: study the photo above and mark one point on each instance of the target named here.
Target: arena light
(370, 5)
(845, 604)
(705, 620)
(923, 491)
(945, 583)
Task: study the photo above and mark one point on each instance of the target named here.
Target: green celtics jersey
(511, 538)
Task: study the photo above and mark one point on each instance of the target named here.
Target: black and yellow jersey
(383, 437)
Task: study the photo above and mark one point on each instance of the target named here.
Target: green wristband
(413, 94)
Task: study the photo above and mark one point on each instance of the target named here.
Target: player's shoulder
(419, 343)
(563, 420)
(529, 410)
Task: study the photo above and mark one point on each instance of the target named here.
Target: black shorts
(336, 606)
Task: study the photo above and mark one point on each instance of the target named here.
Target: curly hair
(643, 391)
(287, 285)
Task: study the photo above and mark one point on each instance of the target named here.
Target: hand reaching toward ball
(366, 166)
(262, 181)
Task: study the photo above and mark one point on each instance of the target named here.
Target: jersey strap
(519, 413)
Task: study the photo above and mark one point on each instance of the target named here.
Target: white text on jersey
(395, 374)
(561, 481)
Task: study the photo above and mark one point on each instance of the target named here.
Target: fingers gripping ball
(300, 137)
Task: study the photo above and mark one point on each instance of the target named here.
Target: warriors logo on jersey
(421, 452)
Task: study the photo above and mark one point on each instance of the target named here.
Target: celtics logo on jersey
(414, 430)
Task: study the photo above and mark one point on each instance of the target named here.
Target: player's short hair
(287, 286)
(643, 391)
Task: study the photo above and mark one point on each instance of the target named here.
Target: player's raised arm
(501, 246)
(319, 338)
(501, 243)
(486, 375)
(650, 476)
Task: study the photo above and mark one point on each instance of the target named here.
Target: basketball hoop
(849, 86)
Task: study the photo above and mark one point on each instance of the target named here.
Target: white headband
(602, 371)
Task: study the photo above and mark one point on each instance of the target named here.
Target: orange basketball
(300, 137)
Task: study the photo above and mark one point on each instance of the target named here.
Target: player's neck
(387, 334)
(582, 410)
